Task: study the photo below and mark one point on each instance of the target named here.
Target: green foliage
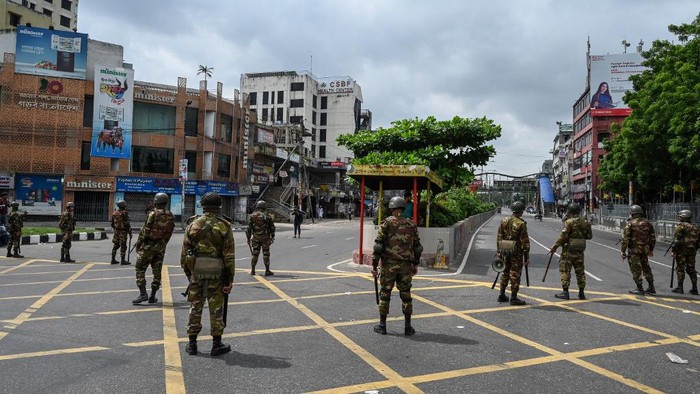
(659, 143)
(447, 147)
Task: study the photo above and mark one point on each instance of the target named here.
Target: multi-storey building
(48, 14)
(561, 163)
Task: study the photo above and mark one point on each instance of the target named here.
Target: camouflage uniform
(15, 224)
(67, 225)
(513, 228)
(685, 245)
(122, 229)
(639, 239)
(574, 228)
(261, 234)
(150, 247)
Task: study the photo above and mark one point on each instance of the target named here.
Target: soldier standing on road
(298, 217)
(67, 225)
(513, 244)
(260, 234)
(686, 242)
(639, 239)
(150, 247)
(573, 242)
(122, 228)
(399, 248)
(208, 259)
(15, 224)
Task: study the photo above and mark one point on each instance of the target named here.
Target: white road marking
(348, 239)
(618, 251)
(308, 246)
(558, 255)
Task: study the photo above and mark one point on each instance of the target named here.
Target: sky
(521, 63)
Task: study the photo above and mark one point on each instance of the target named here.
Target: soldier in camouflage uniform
(399, 248)
(67, 225)
(573, 242)
(686, 242)
(638, 240)
(260, 234)
(513, 228)
(122, 228)
(208, 258)
(15, 224)
(150, 247)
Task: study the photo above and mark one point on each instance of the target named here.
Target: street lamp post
(183, 163)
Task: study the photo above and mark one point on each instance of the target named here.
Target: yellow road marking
(53, 352)
(661, 305)
(26, 263)
(174, 378)
(59, 281)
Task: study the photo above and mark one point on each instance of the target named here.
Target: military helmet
(636, 210)
(397, 202)
(262, 205)
(14, 204)
(685, 215)
(517, 207)
(573, 208)
(121, 204)
(70, 205)
(211, 200)
(160, 199)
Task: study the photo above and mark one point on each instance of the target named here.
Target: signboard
(183, 169)
(52, 53)
(7, 182)
(113, 112)
(39, 194)
(328, 165)
(610, 81)
(265, 137)
(395, 171)
(174, 186)
(335, 85)
(83, 183)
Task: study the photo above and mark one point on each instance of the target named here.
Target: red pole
(415, 200)
(362, 217)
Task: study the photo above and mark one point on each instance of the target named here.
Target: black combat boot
(124, 262)
(581, 294)
(17, 255)
(9, 252)
(267, 270)
(408, 329)
(381, 327)
(694, 290)
(252, 269)
(503, 297)
(639, 291)
(514, 300)
(153, 299)
(218, 348)
(68, 259)
(142, 297)
(114, 255)
(679, 289)
(191, 347)
(564, 295)
(650, 289)
(63, 255)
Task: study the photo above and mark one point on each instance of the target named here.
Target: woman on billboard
(602, 97)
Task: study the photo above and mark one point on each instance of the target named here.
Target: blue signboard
(39, 194)
(173, 186)
(51, 52)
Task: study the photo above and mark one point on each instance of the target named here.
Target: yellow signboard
(394, 171)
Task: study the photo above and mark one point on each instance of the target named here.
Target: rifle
(673, 268)
(527, 276)
(376, 290)
(618, 241)
(493, 286)
(128, 257)
(551, 254)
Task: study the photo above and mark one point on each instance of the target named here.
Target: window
(280, 114)
(313, 117)
(156, 160)
(296, 103)
(15, 20)
(313, 134)
(296, 119)
(32, 6)
(226, 128)
(315, 101)
(264, 114)
(266, 98)
(191, 157)
(154, 118)
(272, 97)
(224, 167)
(191, 120)
(297, 87)
(87, 111)
(65, 21)
(49, 1)
(321, 152)
(324, 102)
(47, 12)
(85, 155)
(324, 119)
(66, 5)
(322, 135)
(280, 97)
(253, 97)
(313, 150)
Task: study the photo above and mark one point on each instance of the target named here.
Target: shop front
(39, 194)
(91, 196)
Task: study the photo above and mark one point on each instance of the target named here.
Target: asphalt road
(71, 328)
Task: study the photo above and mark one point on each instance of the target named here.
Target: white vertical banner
(112, 115)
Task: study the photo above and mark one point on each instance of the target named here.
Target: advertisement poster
(51, 52)
(610, 81)
(39, 194)
(132, 184)
(113, 112)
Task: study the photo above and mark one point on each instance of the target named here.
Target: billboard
(51, 52)
(39, 194)
(610, 81)
(113, 112)
(329, 85)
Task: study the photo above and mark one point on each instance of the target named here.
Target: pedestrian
(320, 213)
(398, 246)
(67, 225)
(122, 228)
(513, 245)
(350, 211)
(260, 234)
(4, 203)
(150, 247)
(638, 241)
(408, 211)
(208, 259)
(15, 223)
(686, 242)
(573, 242)
(298, 220)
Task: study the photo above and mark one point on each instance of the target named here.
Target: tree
(447, 147)
(206, 71)
(658, 145)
